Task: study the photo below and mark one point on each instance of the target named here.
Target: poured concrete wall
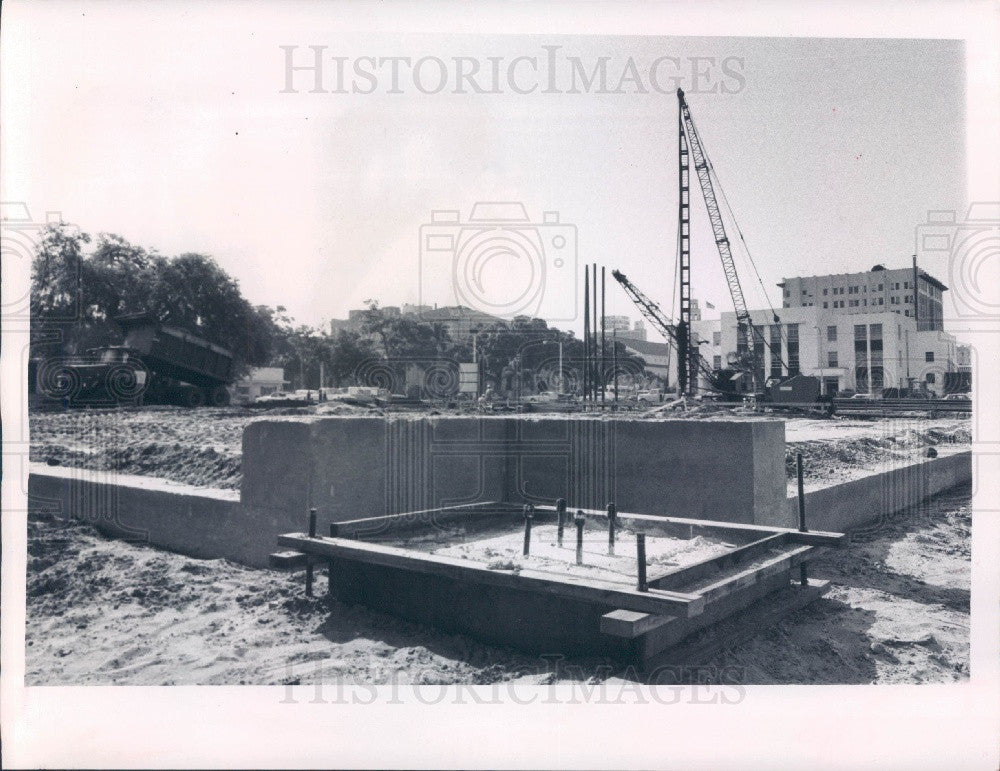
(866, 500)
(196, 521)
(350, 468)
(213, 523)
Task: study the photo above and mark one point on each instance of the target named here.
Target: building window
(881, 301)
(906, 313)
(824, 291)
(824, 305)
(716, 338)
(878, 379)
(831, 359)
(793, 349)
(880, 286)
(775, 349)
(716, 362)
(929, 356)
(831, 334)
(875, 347)
(930, 378)
(906, 285)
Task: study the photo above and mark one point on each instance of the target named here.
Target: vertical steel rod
(802, 495)
(309, 567)
(640, 561)
(529, 512)
(579, 518)
(586, 333)
(561, 513)
(593, 337)
(603, 377)
(612, 522)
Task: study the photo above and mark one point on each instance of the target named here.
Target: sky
(173, 126)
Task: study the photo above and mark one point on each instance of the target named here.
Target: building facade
(907, 292)
(259, 382)
(860, 352)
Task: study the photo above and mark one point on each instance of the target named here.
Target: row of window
(859, 289)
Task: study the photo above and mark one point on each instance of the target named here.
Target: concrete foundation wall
(189, 520)
(214, 523)
(867, 500)
(350, 468)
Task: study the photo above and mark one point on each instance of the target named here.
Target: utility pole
(586, 333)
(603, 364)
(614, 356)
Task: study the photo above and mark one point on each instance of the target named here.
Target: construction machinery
(157, 364)
(744, 378)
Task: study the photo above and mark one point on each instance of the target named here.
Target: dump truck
(157, 364)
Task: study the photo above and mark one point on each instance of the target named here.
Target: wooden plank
(291, 560)
(631, 623)
(412, 519)
(708, 641)
(677, 578)
(671, 634)
(746, 532)
(603, 592)
(754, 574)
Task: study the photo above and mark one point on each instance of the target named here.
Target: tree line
(81, 284)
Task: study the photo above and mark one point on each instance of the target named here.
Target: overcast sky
(171, 129)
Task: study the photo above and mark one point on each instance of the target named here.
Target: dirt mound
(831, 460)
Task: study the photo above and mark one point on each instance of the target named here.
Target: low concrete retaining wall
(196, 521)
(866, 500)
(214, 523)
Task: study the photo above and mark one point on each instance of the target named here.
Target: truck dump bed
(174, 353)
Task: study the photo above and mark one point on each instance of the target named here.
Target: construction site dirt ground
(103, 611)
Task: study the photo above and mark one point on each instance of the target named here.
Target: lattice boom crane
(702, 168)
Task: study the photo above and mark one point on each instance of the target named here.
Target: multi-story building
(620, 325)
(863, 352)
(907, 292)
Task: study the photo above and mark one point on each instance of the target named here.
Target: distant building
(409, 309)
(638, 331)
(259, 382)
(656, 355)
(461, 322)
(863, 352)
(618, 324)
(903, 291)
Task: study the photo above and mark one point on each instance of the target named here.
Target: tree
(80, 295)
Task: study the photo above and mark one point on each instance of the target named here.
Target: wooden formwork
(648, 622)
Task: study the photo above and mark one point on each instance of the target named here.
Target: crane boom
(703, 170)
(657, 317)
